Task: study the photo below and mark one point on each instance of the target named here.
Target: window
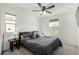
(54, 24)
(10, 22)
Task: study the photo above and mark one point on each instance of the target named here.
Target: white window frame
(10, 23)
(53, 22)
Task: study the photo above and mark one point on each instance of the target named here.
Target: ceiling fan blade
(35, 10)
(40, 5)
(50, 7)
(42, 13)
(48, 12)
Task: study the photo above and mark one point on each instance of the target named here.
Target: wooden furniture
(27, 35)
(15, 42)
(24, 33)
(38, 48)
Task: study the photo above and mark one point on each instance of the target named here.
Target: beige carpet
(65, 50)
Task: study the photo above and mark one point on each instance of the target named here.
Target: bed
(40, 46)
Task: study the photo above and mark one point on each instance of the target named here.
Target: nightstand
(15, 42)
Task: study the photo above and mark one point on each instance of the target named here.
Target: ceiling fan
(44, 8)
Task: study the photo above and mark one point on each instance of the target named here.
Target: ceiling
(59, 8)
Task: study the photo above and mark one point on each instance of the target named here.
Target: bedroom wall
(67, 30)
(78, 37)
(77, 19)
(44, 24)
(0, 32)
(24, 21)
(27, 23)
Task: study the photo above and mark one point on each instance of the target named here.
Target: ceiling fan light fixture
(43, 13)
(44, 9)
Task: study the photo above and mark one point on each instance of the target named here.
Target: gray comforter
(42, 46)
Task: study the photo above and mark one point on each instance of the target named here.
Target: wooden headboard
(24, 33)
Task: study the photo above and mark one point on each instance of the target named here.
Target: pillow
(38, 36)
(32, 36)
(41, 34)
(35, 34)
(23, 38)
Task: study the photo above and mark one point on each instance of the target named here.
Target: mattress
(43, 45)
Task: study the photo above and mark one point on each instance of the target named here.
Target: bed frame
(21, 34)
(27, 34)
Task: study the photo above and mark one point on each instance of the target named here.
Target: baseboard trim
(2, 53)
(70, 45)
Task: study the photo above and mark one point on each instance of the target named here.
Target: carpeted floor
(65, 50)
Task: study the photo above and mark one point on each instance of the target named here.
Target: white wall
(24, 21)
(77, 19)
(0, 32)
(44, 25)
(67, 30)
(27, 23)
(78, 36)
